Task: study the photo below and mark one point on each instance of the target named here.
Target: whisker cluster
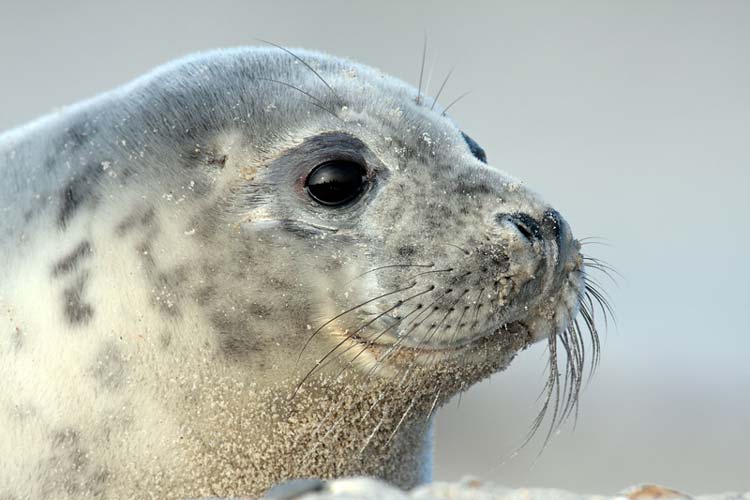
(562, 398)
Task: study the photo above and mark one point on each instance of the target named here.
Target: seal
(255, 264)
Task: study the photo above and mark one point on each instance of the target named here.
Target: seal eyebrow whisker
(440, 90)
(323, 108)
(454, 101)
(421, 70)
(305, 64)
(347, 312)
(317, 102)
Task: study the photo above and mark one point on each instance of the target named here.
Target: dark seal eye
(475, 148)
(336, 182)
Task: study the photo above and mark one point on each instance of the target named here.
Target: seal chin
(387, 356)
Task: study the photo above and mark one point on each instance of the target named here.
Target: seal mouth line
(444, 350)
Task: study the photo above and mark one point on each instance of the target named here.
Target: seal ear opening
(475, 148)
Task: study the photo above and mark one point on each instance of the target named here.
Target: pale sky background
(631, 117)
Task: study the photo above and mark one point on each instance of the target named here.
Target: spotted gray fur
(110, 367)
(72, 260)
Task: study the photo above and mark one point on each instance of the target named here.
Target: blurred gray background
(631, 117)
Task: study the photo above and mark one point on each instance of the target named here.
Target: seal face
(253, 265)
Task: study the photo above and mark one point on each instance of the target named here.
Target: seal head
(259, 265)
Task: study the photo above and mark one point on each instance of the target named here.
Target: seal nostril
(524, 231)
(524, 224)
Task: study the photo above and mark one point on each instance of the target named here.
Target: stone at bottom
(363, 488)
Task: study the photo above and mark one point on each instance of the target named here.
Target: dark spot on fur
(17, 339)
(79, 190)
(236, 339)
(70, 261)
(259, 310)
(143, 250)
(69, 468)
(50, 163)
(406, 251)
(78, 135)
(470, 188)
(109, 369)
(77, 312)
(37, 204)
(198, 156)
(140, 218)
(205, 294)
(165, 339)
(218, 161)
(167, 286)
